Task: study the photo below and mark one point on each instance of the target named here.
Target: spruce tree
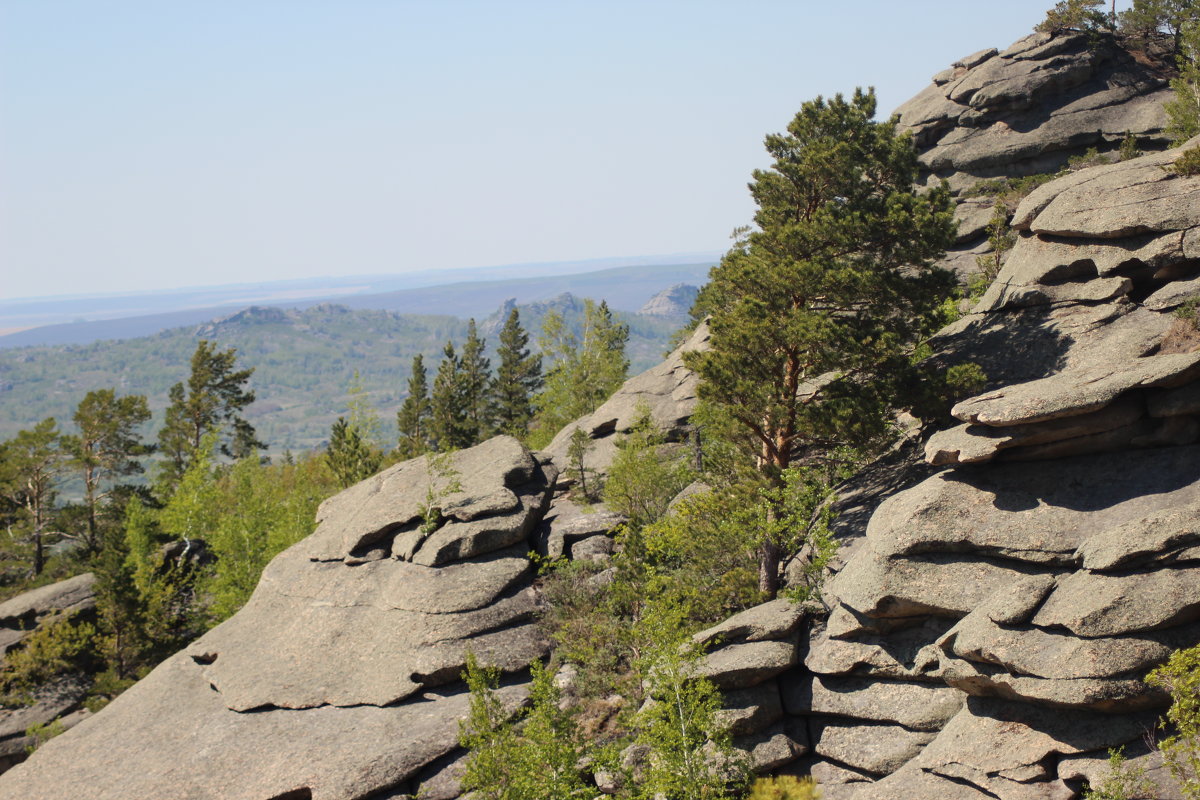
(518, 378)
(474, 372)
(815, 311)
(350, 456)
(449, 426)
(413, 417)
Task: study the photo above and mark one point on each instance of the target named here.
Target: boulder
(777, 619)
(878, 749)
(743, 665)
(916, 706)
(25, 611)
(172, 737)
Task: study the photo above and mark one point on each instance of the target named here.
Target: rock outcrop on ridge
(995, 606)
(999, 616)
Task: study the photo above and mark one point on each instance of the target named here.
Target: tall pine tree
(106, 448)
(449, 426)
(474, 371)
(518, 379)
(836, 284)
(212, 401)
(413, 417)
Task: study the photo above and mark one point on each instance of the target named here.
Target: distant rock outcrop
(674, 301)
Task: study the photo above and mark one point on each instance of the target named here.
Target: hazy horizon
(151, 146)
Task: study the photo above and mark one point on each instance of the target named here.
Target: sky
(154, 145)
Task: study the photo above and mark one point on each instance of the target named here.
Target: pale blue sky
(148, 145)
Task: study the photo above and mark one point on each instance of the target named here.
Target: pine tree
(1183, 110)
(350, 456)
(30, 465)
(212, 400)
(106, 448)
(518, 379)
(413, 417)
(815, 312)
(474, 372)
(449, 426)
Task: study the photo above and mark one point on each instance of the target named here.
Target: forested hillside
(304, 363)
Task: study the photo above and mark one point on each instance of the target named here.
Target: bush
(1123, 782)
(641, 483)
(1180, 676)
(57, 648)
(785, 787)
(1188, 162)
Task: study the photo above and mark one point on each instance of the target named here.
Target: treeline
(469, 402)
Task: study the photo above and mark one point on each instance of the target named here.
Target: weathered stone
(750, 710)
(1017, 602)
(915, 782)
(771, 749)
(971, 444)
(1174, 402)
(333, 753)
(1156, 536)
(566, 522)
(369, 511)
(743, 665)
(1094, 769)
(1110, 695)
(1071, 393)
(875, 748)
(917, 706)
(367, 655)
(27, 609)
(906, 654)
(1039, 512)
(941, 585)
(777, 619)
(1094, 604)
(995, 736)
(442, 780)
(455, 541)
(594, 548)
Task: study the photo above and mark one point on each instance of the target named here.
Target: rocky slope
(997, 601)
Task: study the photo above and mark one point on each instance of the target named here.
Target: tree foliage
(1076, 15)
(106, 448)
(815, 312)
(30, 466)
(412, 419)
(450, 427)
(584, 371)
(212, 400)
(1183, 109)
(518, 379)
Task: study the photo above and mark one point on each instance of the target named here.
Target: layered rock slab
(340, 676)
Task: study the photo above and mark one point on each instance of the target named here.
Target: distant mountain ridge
(304, 361)
(625, 287)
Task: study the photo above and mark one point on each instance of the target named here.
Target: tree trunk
(768, 570)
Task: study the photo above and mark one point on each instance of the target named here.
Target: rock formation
(674, 301)
(995, 606)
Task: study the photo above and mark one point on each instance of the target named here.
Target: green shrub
(1123, 782)
(1180, 676)
(1188, 162)
(57, 648)
(42, 732)
(785, 787)
(641, 483)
